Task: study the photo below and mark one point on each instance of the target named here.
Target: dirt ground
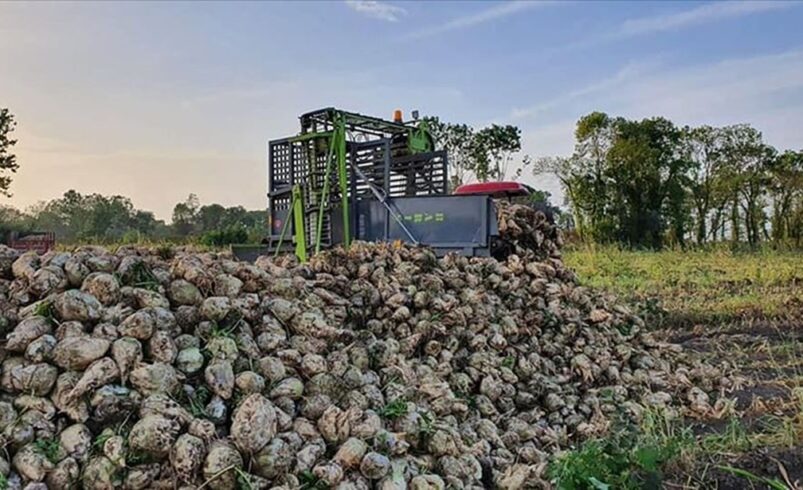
(759, 443)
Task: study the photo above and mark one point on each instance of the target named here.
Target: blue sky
(157, 100)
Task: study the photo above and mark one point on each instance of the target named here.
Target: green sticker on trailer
(419, 218)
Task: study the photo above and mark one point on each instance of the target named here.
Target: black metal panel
(455, 222)
(420, 174)
(291, 161)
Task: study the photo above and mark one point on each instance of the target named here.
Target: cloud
(741, 90)
(700, 15)
(377, 10)
(765, 91)
(498, 11)
(629, 72)
(703, 14)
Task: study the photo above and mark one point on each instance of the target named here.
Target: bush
(226, 236)
(629, 458)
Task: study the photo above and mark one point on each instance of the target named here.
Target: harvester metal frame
(347, 176)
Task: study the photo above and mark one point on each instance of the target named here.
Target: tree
(595, 134)
(584, 177)
(485, 154)
(457, 140)
(565, 169)
(12, 219)
(542, 201)
(748, 159)
(645, 166)
(210, 217)
(8, 161)
(704, 148)
(492, 149)
(786, 190)
(75, 216)
(625, 181)
(184, 215)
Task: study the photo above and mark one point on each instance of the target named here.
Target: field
(743, 309)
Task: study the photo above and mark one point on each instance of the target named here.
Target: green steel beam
(309, 136)
(343, 178)
(298, 217)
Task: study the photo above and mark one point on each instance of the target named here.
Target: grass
(734, 438)
(100, 440)
(743, 308)
(773, 483)
(141, 276)
(394, 409)
(196, 403)
(49, 448)
(629, 457)
(45, 309)
(309, 481)
(714, 285)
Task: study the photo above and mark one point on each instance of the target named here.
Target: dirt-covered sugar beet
(380, 366)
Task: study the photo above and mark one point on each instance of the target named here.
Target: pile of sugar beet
(380, 366)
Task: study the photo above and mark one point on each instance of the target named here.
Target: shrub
(226, 236)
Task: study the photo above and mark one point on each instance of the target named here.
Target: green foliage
(49, 448)
(672, 287)
(648, 183)
(195, 403)
(311, 482)
(100, 440)
(485, 154)
(45, 309)
(628, 458)
(493, 150)
(773, 483)
(184, 215)
(426, 426)
(226, 236)
(138, 457)
(3, 482)
(228, 325)
(8, 161)
(93, 217)
(219, 331)
(141, 276)
(165, 252)
(394, 409)
(99, 219)
(733, 439)
(215, 225)
(243, 480)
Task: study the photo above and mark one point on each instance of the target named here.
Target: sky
(158, 100)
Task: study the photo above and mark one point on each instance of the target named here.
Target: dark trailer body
(349, 177)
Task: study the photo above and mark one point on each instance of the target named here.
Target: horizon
(157, 101)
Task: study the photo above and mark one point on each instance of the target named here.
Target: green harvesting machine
(346, 176)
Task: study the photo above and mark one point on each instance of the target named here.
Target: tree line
(649, 183)
(77, 217)
(642, 183)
